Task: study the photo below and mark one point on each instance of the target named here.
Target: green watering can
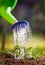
(6, 6)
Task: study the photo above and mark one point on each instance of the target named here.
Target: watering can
(6, 6)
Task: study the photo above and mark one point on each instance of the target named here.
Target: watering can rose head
(21, 24)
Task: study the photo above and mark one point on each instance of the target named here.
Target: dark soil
(9, 59)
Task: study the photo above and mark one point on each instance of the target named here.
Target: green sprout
(29, 52)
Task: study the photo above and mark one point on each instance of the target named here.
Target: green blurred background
(32, 11)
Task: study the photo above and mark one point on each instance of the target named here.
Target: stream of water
(21, 34)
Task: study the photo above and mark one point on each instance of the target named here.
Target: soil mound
(9, 59)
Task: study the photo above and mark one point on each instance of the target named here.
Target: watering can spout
(8, 16)
(6, 7)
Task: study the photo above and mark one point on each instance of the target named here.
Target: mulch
(9, 59)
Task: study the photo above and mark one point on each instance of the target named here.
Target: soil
(9, 59)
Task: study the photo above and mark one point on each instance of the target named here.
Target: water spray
(21, 30)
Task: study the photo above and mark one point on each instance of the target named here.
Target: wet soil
(9, 59)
